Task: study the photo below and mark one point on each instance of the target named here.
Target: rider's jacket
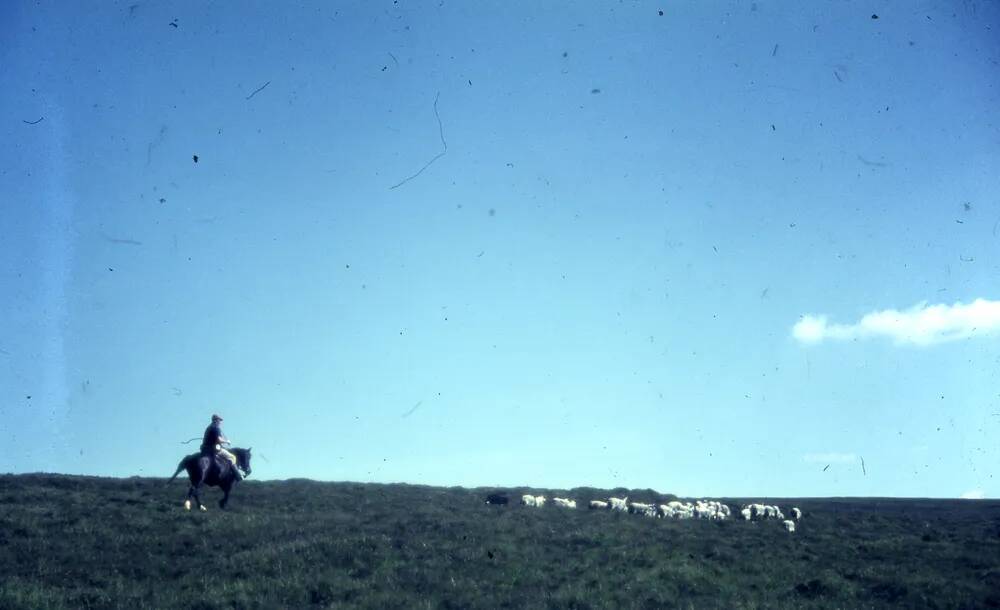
(210, 442)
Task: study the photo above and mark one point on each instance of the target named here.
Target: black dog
(497, 499)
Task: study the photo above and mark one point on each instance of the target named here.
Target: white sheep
(796, 514)
(711, 509)
(762, 511)
(789, 525)
(564, 502)
(642, 509)
(539, 501)
(597, 504)
(528, 500)
(619, 503)
(677, 510)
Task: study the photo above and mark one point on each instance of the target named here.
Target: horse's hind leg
(195, 482)
(225, 497)
(196, 494)
(191, 480)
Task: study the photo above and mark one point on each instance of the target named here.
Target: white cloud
(973, 494)
(922, 324)
(830, 458)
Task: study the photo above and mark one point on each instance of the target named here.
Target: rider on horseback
(211, 445)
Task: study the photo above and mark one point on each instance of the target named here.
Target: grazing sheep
(711, 509)
(672, 510)
(597, 504)
(539, 501)
(789, 525)
(762, 511)
(641, 508)
(796, 514)
(747, 514)
(676, 509)
(564, 503)
(498, 499)
(619, 503)
(528, 500)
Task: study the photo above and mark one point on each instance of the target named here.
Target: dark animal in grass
(214, 471)
(497, 499)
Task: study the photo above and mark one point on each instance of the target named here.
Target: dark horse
(218, 472)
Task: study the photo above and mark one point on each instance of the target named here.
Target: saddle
(219, 466)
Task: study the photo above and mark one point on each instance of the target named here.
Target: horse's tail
(180, 467)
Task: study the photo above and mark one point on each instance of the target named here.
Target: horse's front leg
(225, 495)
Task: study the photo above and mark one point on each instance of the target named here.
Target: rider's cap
(216, 418)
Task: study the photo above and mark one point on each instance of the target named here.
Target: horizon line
(510, 487)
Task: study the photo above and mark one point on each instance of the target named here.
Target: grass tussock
(82, 542)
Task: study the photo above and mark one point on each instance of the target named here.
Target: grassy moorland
(82, 542)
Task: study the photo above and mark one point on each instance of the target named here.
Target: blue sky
(710, 252)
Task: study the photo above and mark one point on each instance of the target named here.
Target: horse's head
(242, 459)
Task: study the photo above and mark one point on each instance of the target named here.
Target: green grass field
(83, 542)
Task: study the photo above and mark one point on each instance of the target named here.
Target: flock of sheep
(699, 509)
